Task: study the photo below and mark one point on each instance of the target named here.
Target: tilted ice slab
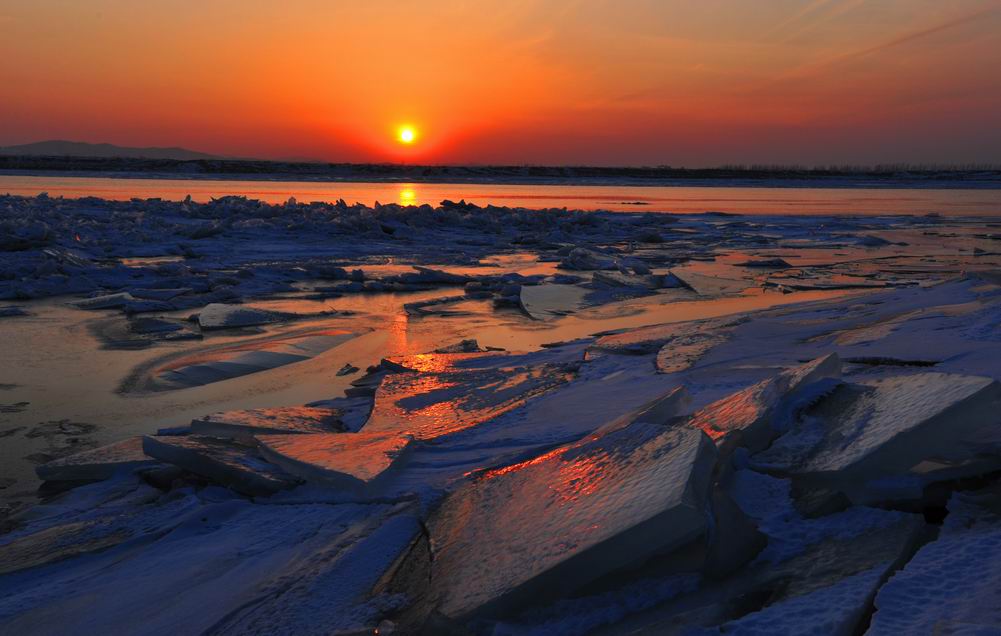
(452, 392)
(222, 316)
(251, 422)
(865, 437)
(99, 463)
(679, 345)
(753, 412)
(347, 460)
(229, 463)
(551, 524)
(951, 585)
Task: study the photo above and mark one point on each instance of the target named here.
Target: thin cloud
(811, 70)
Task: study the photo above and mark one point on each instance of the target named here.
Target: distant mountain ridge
(62, 148)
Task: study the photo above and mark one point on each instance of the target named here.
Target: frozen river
(679, 199)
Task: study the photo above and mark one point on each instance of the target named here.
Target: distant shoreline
(244, 170)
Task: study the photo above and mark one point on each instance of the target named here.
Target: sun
(406, 134)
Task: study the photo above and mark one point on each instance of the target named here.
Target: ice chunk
(878, 430)
(351, 460)
(767, 263)
(108, 301)
(543, 302)
(11, 311)
(618, 279)
(290, 419)
(583, 259)
(704, 285)
(232, 464)
(98, 463)
(750, 412)
(556, 522)
(222, 316)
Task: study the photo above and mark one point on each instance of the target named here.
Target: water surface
(677, 199)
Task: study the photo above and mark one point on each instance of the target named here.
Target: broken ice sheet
(442, 397)
(551, 524)
(226, 567)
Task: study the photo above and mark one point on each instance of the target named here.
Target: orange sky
(633, 82)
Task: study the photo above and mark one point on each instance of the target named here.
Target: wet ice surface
(428, 416)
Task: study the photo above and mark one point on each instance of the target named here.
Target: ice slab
(551, 524)
(889, 428)
(751, 411)
(951, 585)
(108, 301)
(251, 422)
(704, 285)
(453, 392)
(543, 302)
(98, 463)
(657, 337)
(581, 258)
(223, 316)
(618, 279)
(229, 463)
(349, 460)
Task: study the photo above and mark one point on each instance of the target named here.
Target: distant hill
(60, 148)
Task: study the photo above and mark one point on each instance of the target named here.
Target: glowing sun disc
(407, 134)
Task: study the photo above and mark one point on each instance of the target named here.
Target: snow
(345, 460)
(555, 522)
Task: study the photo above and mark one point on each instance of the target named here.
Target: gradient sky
(616, 82)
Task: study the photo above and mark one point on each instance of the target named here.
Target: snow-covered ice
(99, 463)
(345, 460)
(229, 463)
(251, 422)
